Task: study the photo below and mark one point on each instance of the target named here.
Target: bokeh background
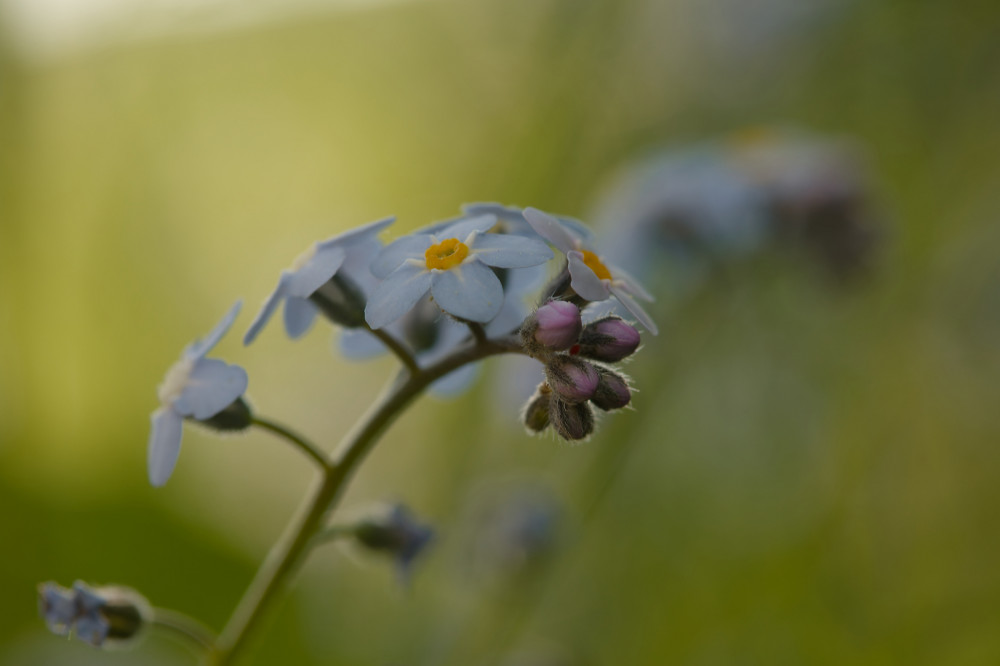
(810, 475)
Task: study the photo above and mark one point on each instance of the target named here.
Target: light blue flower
(308, 273)
(591, 277)
(195, 387)
(101, 616)
(454, 266)
(57, 606)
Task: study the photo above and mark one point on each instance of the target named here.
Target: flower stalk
(289, 552)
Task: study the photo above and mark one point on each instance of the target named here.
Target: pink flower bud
(612, 392)
(573, 379)
(553, 327)
(559, 325)
(610, 339)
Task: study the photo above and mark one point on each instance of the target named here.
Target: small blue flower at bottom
(195, 387)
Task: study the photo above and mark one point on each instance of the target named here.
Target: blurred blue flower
(100, 616)
(396, 533)
(454, 266)
(195, 387)
(308, 273)
(592, 278)
(57, 606)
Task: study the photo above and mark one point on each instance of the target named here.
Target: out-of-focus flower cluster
(101, 616)
(690, 208)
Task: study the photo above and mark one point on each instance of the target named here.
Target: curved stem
(300, 442)
(289, 552)
(397, 348)
(185, 627)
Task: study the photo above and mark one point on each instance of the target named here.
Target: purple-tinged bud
(612, 392)
(535, 415)
(573, 379)
(571, 420)
(553, 327)
(559, 325)
(609, 339)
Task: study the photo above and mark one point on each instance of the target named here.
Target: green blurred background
(810, 475)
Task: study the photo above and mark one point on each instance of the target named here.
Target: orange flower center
(595, 264)
(446, 254)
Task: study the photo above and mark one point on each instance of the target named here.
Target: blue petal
(629, 303)
(630, 284)
(164, 445)
(455, 383)
(397, 294)
(320, 268)
(357, 344)
(585, 281)
(267, 309)
(357, 235)
(510, 251)
(550, 229)
(201, 347)
(463, 228)
(299, 316)
(211, 387)
(395, 253)
(357, 265)
(470, 291)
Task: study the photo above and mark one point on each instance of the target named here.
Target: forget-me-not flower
(101, 616)
(454, 265)
(591, 277)
(195, 387)
(308, 273)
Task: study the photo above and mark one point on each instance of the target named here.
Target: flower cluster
(99, 616)
(441, 300)
(574, 383)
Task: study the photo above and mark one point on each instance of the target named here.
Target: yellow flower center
(446, 254)
(595, 264)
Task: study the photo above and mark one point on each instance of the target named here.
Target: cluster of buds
(102, 616)
(574, 384)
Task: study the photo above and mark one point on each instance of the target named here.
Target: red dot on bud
(574, 350)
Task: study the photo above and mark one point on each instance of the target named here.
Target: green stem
(300, 442)
(287, 555)
(179, 624)
(397, 348)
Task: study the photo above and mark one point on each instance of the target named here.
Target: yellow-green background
(810, 475)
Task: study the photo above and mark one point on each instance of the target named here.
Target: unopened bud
(237, 416)
(104, 616)
(535, 415)
(555, 326)
(612, 392)
(572, 378)
(341, 301)
(608, 339)
(571, 420)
